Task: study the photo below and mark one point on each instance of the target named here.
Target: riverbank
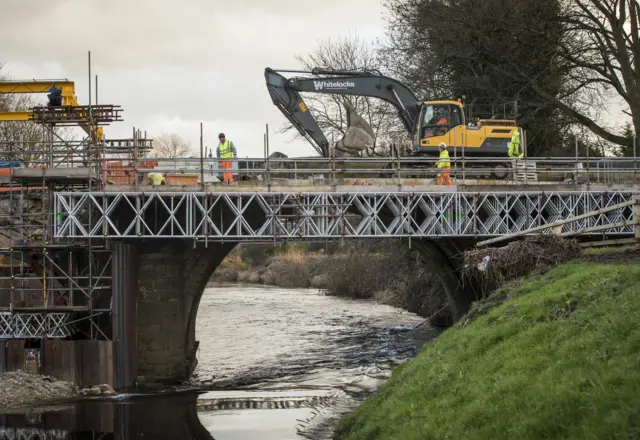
(21, 389)
(385, 271)
(551, 357)
(18, 389)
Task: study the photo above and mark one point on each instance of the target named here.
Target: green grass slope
(559, 358)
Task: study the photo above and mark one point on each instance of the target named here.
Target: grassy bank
(557, 357)
(386, 271)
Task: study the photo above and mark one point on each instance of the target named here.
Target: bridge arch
(170, 275)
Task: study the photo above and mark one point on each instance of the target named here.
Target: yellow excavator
(427, 122)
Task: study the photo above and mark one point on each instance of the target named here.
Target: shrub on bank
(554, 358)
(386, 271)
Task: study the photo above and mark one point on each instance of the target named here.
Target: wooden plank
(60, 360)
(48, 357)
(557, 223)
(107, 363)
(599, 228)
(95, 361)
(15, 354)
(617, 242)
(3, 357)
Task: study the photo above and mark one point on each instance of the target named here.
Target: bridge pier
(157, 291)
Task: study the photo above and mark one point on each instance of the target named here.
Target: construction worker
(444, 165)
(514, 146)
(443, 121)
(156, 179)
(226, 150)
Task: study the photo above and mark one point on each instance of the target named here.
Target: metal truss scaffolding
(261, 216)
(7, 433)
(54, 292)
(35, 325)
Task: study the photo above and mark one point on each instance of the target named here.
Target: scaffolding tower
(53, 288)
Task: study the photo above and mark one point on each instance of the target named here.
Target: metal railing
(126, 164)
(394, 171)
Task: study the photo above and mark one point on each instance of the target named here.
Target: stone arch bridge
(165, 246)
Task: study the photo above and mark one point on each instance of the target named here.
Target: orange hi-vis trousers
(227, 165)
(444, 177)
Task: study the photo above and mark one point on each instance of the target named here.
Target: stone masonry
(172, 277)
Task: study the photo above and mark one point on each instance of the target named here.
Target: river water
(273, 364)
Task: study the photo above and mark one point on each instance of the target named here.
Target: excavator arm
(285, 94)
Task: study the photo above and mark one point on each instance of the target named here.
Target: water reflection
(170, 417)
(223, 415)
(298, 354)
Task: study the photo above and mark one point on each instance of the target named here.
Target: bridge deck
(377, 185)
(260, 216)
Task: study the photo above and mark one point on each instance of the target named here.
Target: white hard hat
(442, 145)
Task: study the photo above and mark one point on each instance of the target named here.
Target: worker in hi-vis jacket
(444, 165)
(226, 150)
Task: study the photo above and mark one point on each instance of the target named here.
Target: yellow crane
(61, 93)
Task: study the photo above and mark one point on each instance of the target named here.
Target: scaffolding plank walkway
(313, 216)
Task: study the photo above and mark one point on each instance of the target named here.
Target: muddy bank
(18, 388)
(386, 271)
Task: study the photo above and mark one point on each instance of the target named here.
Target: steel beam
(125, 299)
(292, 216)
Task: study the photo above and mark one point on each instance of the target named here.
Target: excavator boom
(285, 94)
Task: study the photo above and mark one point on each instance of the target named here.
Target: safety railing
(379, 170)
(110, 165)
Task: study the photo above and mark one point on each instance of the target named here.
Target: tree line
(554, 65)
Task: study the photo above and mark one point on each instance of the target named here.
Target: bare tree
(170, 145)
(352, 54)
(602, 49)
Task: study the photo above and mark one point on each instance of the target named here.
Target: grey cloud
(172, 64)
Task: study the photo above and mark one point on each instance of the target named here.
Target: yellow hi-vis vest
(156, 178)
(514, 145)
(225, 150)
(444, 159)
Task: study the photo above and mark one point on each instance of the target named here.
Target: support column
(172, 277)
(124, 271)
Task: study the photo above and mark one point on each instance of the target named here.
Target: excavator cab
(438, 119)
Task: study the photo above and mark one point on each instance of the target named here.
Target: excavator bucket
(359, 135)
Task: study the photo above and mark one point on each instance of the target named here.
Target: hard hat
(442, 145)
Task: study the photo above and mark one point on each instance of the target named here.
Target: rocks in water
(98, 390)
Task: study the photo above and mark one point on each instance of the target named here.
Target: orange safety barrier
(181, 179)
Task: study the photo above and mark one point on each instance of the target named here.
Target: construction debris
(489, 269)
(359, 136)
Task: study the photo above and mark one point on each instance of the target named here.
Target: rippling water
(254, 334)
(276, 364)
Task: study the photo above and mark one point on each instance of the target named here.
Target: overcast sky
(172, 65)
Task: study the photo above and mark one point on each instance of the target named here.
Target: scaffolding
(56, 288)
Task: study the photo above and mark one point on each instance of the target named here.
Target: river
(273, 364)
